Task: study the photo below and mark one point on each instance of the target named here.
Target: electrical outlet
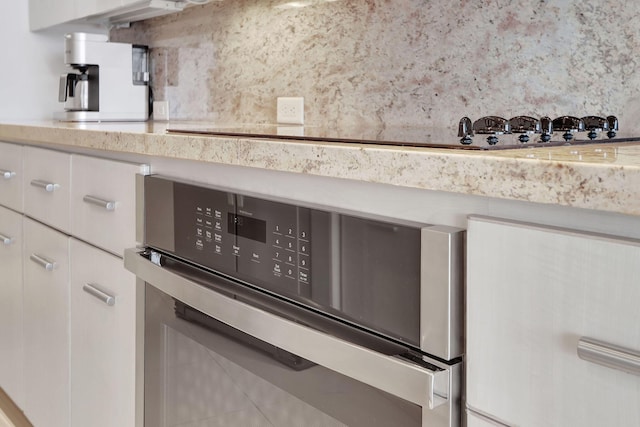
(290, 110)
(160, 110)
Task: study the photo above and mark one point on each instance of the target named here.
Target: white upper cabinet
(47, 13)
(51, 13)
(535, 295)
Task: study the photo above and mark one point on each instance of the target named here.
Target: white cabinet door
(104, 339)
(103, 202)
(532, 293)
(84, 8)
(47, 182)
(11, 176)
(47, 13)
(11, 354)
(46, 325)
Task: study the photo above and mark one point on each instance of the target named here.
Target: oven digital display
(248, 227)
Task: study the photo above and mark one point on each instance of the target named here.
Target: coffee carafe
(107, 81)
(74, 91)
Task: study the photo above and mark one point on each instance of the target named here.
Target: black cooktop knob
(492, 140)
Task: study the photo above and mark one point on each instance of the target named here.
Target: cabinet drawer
(534, 293)
(103, 202)
(11, 176)
(47, 181)
(46, 325)
(103, 339)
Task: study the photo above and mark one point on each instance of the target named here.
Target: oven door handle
(424, 387)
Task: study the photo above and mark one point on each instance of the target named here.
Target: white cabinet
(46, 325)
(50, 13)
(532, 293)
(11, 176)
(103, 199)
(47, 186)
(103, 339)
(82, 356)
(11, 344)
(47, 13)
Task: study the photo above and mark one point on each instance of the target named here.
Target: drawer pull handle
(102, 296)
(6, 239)
(49, 187)
(7, 174)
(43, 262)
(609, 355)
(106, 204)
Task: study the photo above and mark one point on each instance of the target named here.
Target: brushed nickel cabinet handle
(101, 295)
(106, 204)
(44, 262)
(7, 174)
(6, 239)
(49, 187)
(609, 355)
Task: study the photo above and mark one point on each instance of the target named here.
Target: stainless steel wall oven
(277, 313)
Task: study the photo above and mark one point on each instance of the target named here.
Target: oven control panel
(364, 270)
(251, 238)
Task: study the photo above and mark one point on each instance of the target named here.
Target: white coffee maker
(108, 81)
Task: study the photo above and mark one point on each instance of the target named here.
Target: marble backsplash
(395, 63)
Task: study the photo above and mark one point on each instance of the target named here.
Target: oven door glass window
(199, 375)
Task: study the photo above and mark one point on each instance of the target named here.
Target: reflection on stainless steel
(376, 301)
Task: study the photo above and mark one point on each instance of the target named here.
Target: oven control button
(288, 273)
(277, 270)
(303, 276)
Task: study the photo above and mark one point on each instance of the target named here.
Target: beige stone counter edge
(557, 176)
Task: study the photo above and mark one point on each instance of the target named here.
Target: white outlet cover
(290, 110)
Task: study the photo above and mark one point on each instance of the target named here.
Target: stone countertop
(601, 177)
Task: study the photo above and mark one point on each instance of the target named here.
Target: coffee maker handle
(67, 85)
